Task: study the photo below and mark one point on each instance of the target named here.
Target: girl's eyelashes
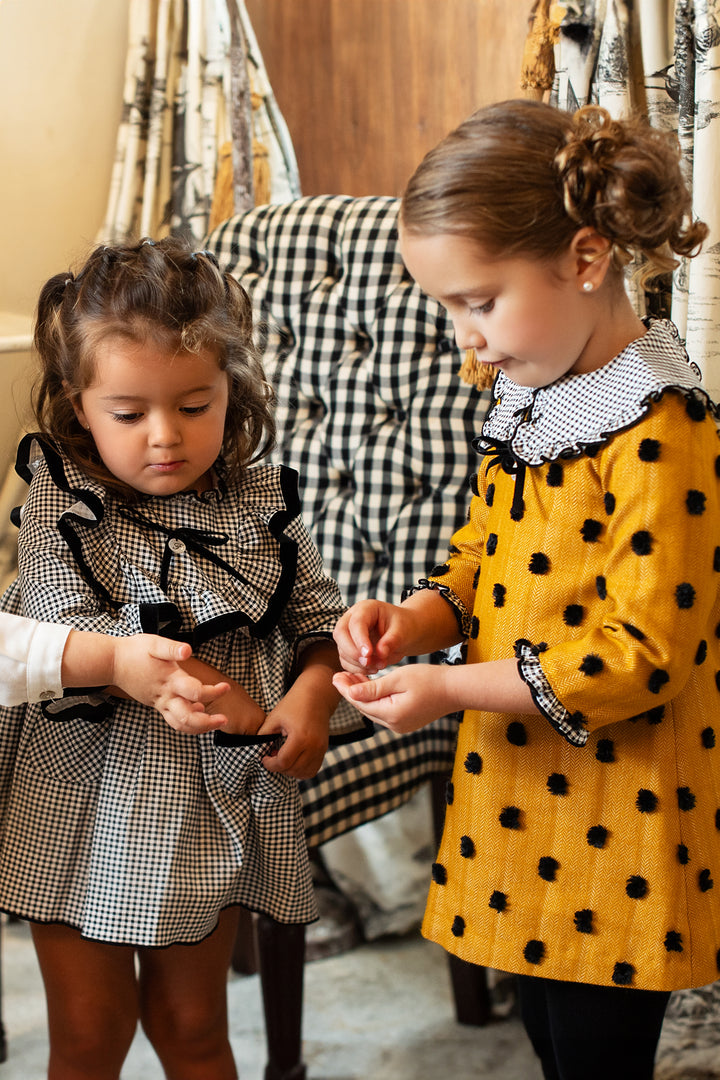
(482, 309)
(186, 410)
(126, 418)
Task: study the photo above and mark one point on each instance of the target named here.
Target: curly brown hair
(521, 177)
(158, 291)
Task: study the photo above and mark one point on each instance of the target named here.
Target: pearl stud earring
(588, 286)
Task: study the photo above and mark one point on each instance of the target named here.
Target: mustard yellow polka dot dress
(584, 843)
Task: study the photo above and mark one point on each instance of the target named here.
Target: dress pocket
(71, 750)
(239, 761)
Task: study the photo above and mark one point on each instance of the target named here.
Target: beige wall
(61, 77)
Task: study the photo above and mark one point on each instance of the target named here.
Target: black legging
(583, 1032)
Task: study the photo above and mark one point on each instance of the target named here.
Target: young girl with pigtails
(581, 848)
(129, 844)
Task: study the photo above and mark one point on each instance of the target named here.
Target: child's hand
(305, 745)
(403, 700)
(371, 635)
(303, 714)
(147, 668)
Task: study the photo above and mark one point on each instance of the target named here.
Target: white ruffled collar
(578, 412)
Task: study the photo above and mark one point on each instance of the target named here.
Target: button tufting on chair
(372, 413)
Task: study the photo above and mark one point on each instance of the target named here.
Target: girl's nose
(467, 335)
(164, 430)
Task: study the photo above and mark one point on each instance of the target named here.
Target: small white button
(176, 545)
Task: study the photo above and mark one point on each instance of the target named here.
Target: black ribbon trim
(506, 459)
(163, 617)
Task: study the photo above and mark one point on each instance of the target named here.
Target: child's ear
(74, 400)
(591, 254)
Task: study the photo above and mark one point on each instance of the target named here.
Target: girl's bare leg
(92, 1002)
(183, 1004)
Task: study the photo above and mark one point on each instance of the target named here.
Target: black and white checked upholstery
(372, 414)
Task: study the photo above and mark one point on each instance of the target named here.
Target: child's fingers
(208, 694)
(190, 718)
(167, 649)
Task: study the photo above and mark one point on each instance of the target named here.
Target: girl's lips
(166, 466)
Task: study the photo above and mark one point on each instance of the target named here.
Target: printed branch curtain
(201, 136)
(661, 58)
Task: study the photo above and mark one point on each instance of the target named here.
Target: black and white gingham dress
(113, 822)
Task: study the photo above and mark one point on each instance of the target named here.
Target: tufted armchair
(371, 412)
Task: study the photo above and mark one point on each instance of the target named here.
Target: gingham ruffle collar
(577, 413)
(254, 589)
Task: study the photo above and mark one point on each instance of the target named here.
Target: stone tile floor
(382, 1011)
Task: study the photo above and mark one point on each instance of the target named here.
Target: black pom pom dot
(490, 495)
(449, 793)
(695, 503)
(634, 632)
(596, 836)
(701, 654)
(641, 542)
(474, 484)
(476, 578)
(548, 868)
(516, 733)
(474, 628)
(473, 763)
(686, 799)
(647, 801)
(605, 752)
(591, 530)
(584, 921)
(705, 882)
(534, 952)
(499, 595)
(458, 926)
(554, 475)
(440, 570)
(636, 887)
(439, 873)
(684, 596)
(623, 974)
(601, 586)
(557, 784)
(707, 737)
(717, 820)
(610, 503)
(498, 901)
(539, 563)
(673, 941)
(683, 855)
(716, 559)
(509, 817)
(649, 450)
(655, 716)
(591, 664)
(657, 680)
(467, 847)
(491, 544)
(573, 614)
(695, 408)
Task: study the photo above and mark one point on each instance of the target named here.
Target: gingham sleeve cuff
(567, 724)
(461, 613)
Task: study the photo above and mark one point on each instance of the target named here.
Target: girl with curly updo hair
(582, 831)
(130, 843)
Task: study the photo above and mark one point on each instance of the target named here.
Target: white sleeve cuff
(44, 662)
